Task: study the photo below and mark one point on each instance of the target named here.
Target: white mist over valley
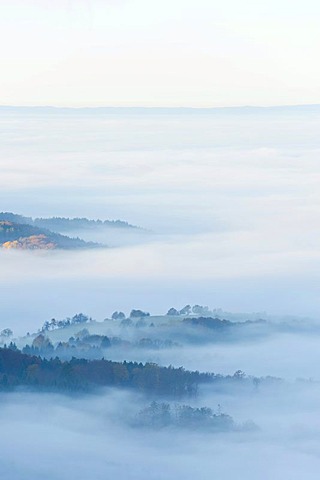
(221, 210)
(228, 202)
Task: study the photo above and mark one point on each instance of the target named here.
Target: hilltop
(63, 224)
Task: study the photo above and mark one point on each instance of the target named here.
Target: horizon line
(146, 109)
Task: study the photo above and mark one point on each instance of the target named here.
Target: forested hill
(18, 369)
(28, 237)
(62, 224)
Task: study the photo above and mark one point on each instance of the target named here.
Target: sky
(170, 53)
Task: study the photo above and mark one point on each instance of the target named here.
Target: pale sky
(202, 53)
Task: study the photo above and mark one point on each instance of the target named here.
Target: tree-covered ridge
(123, 335)
(18, 369)
(28, 237)
(140, 329)
(63, 224)
(68, 224)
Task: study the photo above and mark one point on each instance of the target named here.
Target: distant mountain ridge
(63, 224)
(246, 109)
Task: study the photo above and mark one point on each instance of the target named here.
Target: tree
(138, 314)
(6, 333)
(239, 374)
(54, 324)
(126, 322)
(185, 310)
(80, 318)
(42, 344)
(82, 333)
(200, 310)
(172, 311)
(13, 346)
(118, 316)
(105, 343)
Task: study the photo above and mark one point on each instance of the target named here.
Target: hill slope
(27, 237)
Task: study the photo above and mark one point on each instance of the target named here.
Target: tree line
(18, 369)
